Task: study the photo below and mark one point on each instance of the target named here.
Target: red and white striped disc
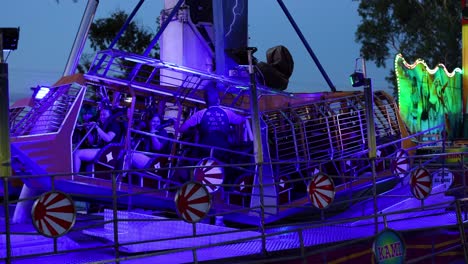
(401, 163)
(210, 174)
(53, 214)
(192, 202)
(421, 183)
(321, 190)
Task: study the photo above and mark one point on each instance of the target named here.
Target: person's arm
(192, 121)
(234, 118)
(157, 144)
(106, 136)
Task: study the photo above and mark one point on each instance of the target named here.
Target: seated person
(86, 121)
(108, 131)
(151, 143)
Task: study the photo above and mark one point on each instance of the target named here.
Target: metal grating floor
(312, 237)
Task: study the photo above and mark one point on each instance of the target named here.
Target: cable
(8, 55)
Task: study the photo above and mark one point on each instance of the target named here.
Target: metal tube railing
(298, 231)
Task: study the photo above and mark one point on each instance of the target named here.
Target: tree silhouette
(135, 38)
(426, 29)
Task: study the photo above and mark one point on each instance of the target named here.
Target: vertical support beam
(369, 100)
(173, 38)
(230, 31)
(5, 152)
(258, 149)
(371, 143)
(218, 23)
(7, 220)
(81, 36)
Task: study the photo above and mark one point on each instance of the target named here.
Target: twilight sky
(48, 29)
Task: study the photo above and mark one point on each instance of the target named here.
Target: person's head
(104, 114)
(155, 122)
(87, 116)
(211, 95)
(87, 113)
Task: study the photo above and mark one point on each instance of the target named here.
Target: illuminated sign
(456, 157)
(389, 248)
(429, 98)
(442, 176)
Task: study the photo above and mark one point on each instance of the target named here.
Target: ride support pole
(258, 150)
(371, 142)
(5, 154)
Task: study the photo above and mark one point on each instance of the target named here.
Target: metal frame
(300, 234)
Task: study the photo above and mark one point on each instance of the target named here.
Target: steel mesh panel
(47, 114)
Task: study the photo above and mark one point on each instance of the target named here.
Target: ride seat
(153, 176)
(108, 158)
(242, 191)
(283, 189)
